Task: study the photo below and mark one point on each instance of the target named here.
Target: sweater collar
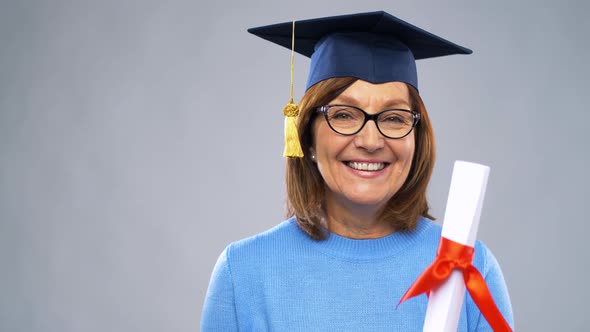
(370, 249)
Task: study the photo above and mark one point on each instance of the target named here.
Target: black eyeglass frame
(374, 117)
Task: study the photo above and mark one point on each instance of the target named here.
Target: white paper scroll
(468, 186)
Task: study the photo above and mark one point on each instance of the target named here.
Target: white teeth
(366, 166)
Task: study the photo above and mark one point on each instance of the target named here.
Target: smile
(371, 167)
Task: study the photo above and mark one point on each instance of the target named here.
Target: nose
(369, 138)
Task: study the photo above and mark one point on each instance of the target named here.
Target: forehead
(365, 94)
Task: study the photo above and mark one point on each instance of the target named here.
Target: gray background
(137, 139)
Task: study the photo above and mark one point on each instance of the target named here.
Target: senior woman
(359, 231)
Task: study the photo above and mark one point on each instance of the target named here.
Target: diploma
(452, 271)
(460, 224)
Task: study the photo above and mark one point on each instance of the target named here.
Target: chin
(368, 200)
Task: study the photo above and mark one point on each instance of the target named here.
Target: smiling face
(366, 169)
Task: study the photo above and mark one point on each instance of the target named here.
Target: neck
(356, 221)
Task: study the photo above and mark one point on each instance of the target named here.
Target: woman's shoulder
(483, 258)
(428, 226)
(282, 234)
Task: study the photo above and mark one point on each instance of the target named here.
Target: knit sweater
(282, 280)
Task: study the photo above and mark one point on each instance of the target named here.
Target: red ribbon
(453, 255)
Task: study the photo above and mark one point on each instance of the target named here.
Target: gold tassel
(291, 111)
(292, 144)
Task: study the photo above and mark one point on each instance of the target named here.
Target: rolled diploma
(468, 186)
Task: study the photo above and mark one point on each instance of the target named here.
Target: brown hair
(305, 185)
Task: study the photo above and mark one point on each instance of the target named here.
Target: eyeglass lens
(348, 120)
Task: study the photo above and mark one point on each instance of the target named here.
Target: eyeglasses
(349, 120)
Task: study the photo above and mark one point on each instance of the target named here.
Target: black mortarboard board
(376, 47)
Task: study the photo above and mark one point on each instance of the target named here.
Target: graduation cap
(376, 47)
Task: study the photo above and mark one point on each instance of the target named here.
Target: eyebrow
(396, 102)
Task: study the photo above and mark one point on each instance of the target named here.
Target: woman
(359, 232)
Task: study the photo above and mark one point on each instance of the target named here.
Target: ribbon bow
(453, 255)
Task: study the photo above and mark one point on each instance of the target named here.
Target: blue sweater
(282, 280)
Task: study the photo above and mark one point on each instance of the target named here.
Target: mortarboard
(376, 47)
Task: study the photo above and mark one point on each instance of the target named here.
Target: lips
(366, 166)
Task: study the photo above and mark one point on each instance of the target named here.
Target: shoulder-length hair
(305, 185)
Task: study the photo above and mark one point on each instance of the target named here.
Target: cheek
(325, 141)
(410, 150)
(314, 135)
(404, 148)
(404, 151)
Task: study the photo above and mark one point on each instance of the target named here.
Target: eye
(343, 113)
(394, 118)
